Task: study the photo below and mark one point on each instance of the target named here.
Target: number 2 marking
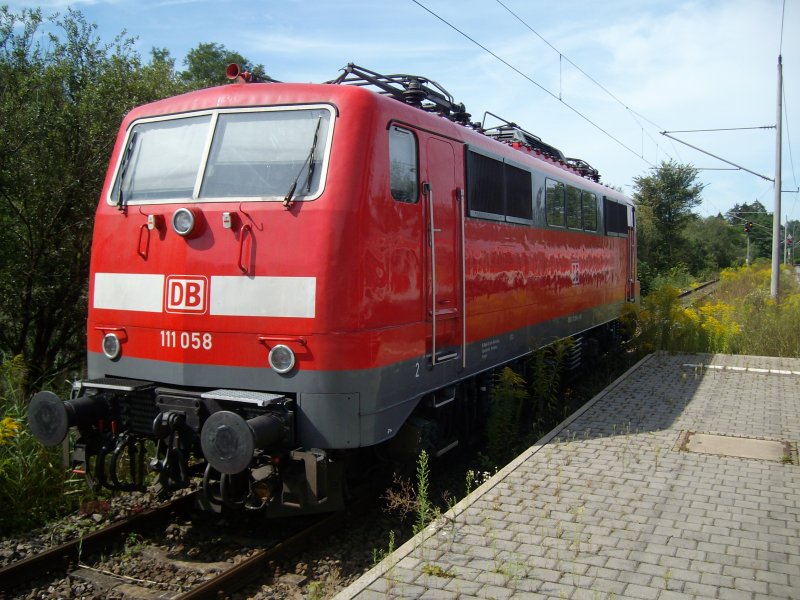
(417, 375)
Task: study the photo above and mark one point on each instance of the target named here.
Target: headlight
(111, 346)
(184, 222)
(281, 358)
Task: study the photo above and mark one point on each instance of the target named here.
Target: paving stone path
(611, 505)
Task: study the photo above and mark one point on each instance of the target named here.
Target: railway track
(246, 571)
(231, 572)
(61, 556)
(692, 295)
(303, 557)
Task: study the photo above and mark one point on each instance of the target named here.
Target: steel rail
(246, 571)
(688, 296)
(60, 557)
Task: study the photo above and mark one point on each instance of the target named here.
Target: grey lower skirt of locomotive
(240, 442)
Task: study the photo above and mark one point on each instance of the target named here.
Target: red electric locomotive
(285, 276)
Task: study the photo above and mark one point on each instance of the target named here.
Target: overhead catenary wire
(561, 55)
(666, 133)
(735, 215)
(720, 129)
(785, 103)
(789, 137)
(783, 17)
(533, 81)
(717, 169)
(558, 94)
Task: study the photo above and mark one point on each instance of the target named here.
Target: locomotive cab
(205, 275)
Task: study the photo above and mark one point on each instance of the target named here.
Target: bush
(505, 417)
(522, 412)
(677, 276)
(31, 476)
(740, 317)
(768, 328)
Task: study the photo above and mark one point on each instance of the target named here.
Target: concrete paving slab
(726, 445)
(606, 506)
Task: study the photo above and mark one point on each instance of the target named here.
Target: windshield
(234, 154)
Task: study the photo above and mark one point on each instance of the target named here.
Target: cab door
(442, 196)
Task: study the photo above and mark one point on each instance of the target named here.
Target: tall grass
(739, 318)
(527, 403)
(31, 476)
(509, 397)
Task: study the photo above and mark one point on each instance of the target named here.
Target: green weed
(437, 571)
(134, 544)
(739, 318)
(424, 507)
(32, 479)
(509, 395)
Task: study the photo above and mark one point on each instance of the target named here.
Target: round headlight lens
(183, 222)
(281, 358)
(111, 346)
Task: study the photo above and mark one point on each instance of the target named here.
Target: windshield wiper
(123, 170)
(311, 166)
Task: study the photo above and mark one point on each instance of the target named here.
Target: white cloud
(683, 64)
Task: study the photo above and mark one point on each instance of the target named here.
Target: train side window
(485, 186)
(519, 193)
(616, 217)
(404, 174)
(589, 202)
(573, 208)
(554, 203)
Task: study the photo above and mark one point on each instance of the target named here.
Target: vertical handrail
(143, 253)
(631, 291)
(460, 198)
(633, 252)
(426, 189)
(247, 229)
(630, 262)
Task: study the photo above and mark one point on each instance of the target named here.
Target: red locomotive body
(285, 272)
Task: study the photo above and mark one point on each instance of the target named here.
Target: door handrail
(428, 191)
(460, 200)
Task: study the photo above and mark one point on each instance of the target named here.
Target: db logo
(186, 294)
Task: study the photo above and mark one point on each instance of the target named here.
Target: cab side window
(404, 174)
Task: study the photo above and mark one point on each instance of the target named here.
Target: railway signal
(748, 226)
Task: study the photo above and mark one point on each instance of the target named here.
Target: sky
(598, 80)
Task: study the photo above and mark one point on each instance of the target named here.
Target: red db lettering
(176, 294)
(186, 294)
(193, 298)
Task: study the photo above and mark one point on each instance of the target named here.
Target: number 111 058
(186, 340)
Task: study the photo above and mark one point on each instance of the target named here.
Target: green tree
(206, 64)
(713, 244)
(666, 199)
(62, 97)
(760, 233)
(163, 57)
(794, 232)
